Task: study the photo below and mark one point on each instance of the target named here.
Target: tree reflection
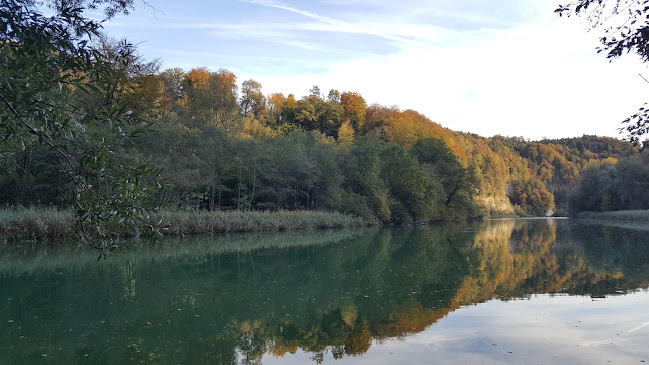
(329, 300)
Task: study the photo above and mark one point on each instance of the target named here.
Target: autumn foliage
(223, 147)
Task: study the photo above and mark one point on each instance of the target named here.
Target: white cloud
(548, 329)
(541, 79)
(506, 67)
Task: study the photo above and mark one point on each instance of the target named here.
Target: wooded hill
(229, 148)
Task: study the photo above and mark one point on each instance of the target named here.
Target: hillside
(221, 147)
(515, 176)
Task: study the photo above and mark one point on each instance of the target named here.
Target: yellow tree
(222, 86)
(346, 134)
(289, 109)
(252, 99)
(355, 109)
(274, 103)
(211, 98)
(196, 99)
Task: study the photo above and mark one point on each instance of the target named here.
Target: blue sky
(508, 67)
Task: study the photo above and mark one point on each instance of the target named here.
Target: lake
(523, 291)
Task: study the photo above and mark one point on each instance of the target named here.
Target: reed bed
(37, 224)
(187, 223)
(47, 224)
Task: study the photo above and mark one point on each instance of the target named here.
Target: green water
(501, 291)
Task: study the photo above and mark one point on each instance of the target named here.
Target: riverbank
(628, 215)
(47, 224)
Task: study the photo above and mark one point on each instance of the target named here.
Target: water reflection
(330, 295)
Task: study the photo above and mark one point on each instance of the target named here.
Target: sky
(498, 67)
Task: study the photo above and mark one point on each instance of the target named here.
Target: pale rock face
(495, 204)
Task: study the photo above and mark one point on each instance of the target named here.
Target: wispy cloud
(288, 35)
(329, 24)
(643, 325)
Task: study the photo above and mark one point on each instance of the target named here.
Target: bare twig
(647, 81)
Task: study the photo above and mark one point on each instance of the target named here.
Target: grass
(36, 224)
(47, 224)
(631, 215)
(186, 223)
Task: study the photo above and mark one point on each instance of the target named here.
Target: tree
(443, 167)
(355, 109)
(365, 193)
(626, 30)
(197, 98)
(222, 86)
(596, 189)
(46, 63)
(334, 95)
(126, 67)
(173, 82)
(274, 103)
(131, 82)
(211, 98)
(252, 99)
(632, 182)
(346, 134)
(315, 92)
(305, 114)
(330, 117)
(413, 196)
(289, 109)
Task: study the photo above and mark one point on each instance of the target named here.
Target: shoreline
(619, 215)
(51, 225)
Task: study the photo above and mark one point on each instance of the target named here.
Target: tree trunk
(254, 186)
(211, 199)
(239, 191)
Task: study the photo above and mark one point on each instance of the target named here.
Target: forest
(224, 147)
(95, 127)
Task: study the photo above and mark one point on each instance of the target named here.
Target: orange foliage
(198, 77)
(355, 109)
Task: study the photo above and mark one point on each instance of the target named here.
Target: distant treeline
(225, 147)
(613, 185)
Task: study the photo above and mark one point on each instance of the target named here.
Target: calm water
(501, 291)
